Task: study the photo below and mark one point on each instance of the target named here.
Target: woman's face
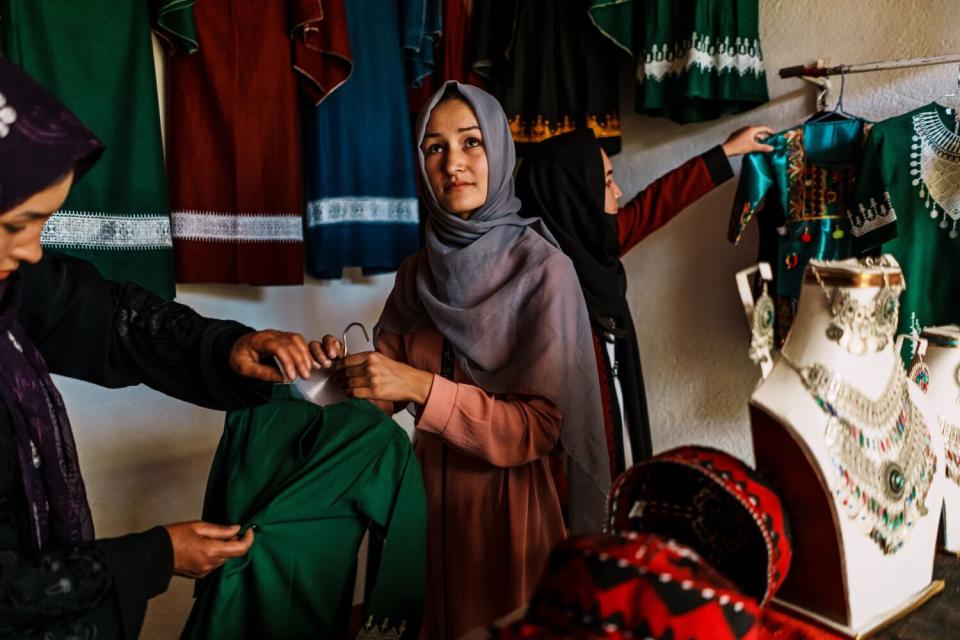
(20, 227)
(454, 158)
(611, 191)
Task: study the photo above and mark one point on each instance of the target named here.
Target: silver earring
(761, 328)
(920, 374)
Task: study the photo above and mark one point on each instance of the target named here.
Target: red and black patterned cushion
(711, 502)
(641, 586)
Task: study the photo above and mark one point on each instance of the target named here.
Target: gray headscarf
(508, 300)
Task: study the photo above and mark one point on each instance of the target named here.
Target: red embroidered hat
(711, 502)
(609, 587)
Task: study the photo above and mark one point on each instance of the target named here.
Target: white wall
(145, 457)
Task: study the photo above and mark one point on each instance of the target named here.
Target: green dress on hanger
(97, 57)
(311, 481)
(907, 199)
(799, 193)
(696, 59)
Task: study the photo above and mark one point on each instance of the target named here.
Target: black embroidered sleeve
(57, 594)
(118, 334)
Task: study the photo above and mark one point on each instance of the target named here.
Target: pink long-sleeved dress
(493, 509)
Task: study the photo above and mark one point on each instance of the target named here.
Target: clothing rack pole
(821, 72)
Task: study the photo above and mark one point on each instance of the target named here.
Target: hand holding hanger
(325, 387)
(329, 349)
(372, 375)
(748, 140)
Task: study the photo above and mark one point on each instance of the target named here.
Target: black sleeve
(97, 590)
(718, 164)
(118, 334)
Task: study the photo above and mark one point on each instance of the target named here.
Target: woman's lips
(458, 186)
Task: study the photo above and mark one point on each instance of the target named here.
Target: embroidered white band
(92, 230)
(362, 209)
(740, 55)
(239, 227)
(872, 217)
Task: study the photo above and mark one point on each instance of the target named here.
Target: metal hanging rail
(822, 72)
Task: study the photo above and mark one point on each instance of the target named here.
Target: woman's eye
(12, 228)
(472, 143)
(434, 148)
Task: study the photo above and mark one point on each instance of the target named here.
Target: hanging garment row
(293, 148)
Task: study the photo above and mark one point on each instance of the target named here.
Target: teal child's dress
(800, 193)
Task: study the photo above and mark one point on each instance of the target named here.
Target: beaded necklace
(951, 437)
(881, 452)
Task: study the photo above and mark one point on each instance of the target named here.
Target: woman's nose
(29, 250)
(454, 162)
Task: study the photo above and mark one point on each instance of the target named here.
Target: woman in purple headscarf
(486, 331)
(58, 315)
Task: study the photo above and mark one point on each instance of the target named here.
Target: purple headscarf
(508, 300)
(40, 142)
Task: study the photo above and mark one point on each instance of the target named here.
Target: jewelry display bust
(937, 372)
(847, 443)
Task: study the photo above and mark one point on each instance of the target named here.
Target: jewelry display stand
(937, 372)
(812, 432)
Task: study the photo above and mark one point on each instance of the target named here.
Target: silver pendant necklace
(881, 452)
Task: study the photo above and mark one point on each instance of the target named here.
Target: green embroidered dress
(312, 481)
(907, 199)
(97, 57)
(799, 193)
(696, 59)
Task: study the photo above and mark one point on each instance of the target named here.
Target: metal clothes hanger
(343, 341)
(838, 112)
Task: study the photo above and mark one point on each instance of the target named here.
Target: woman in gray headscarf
(486, 332)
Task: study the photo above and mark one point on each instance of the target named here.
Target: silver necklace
(951, 441)
(934, 158)
(881, 452)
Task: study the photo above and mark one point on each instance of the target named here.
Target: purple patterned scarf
(40, 142)
(55, 496)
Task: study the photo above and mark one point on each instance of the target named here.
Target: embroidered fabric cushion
(635, 586)
(714, 503)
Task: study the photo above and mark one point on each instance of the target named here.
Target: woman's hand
(747, 140)
(326, 351)
(374, 376)
(200, 547)
(290, 349)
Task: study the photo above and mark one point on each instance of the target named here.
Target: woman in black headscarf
(568, 181)
(58, 315)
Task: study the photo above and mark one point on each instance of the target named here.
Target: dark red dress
(233, 152)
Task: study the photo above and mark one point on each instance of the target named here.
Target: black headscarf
(40, 142)
(562, 181)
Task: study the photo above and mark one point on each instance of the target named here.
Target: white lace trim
(211, 226)
(935, 167)
(721, 56)
(93, 230)
(382, 631)
(362, 209)
(872, 217)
